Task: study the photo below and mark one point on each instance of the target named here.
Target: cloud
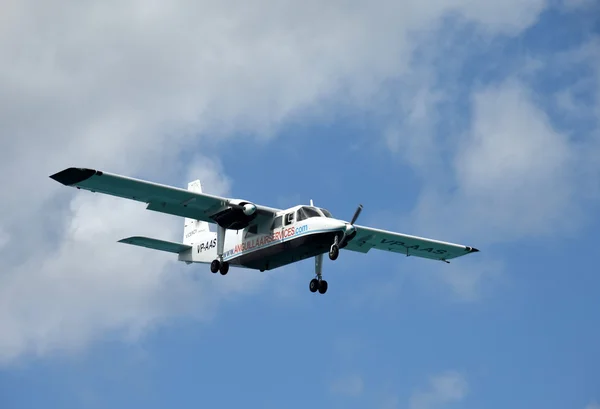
(131, 87)
(593, 405)
(513, 174)
(89, 285)
(445, 388)
(513, 162)
(349, 385)
(211, 175)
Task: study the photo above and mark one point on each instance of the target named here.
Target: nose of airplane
(334, 224)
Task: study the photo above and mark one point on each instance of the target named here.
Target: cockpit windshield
(325, 212)
(306, 212)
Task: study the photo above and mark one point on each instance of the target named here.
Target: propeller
(356, 214)
(350, 227)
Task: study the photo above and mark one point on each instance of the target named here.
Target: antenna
(311, 203)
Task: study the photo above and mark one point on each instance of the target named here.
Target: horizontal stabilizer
(155, 244)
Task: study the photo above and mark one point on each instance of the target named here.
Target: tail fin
(192, 229)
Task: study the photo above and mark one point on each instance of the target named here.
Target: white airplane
(251, 235)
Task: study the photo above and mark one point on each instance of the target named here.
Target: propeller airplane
(249, 235)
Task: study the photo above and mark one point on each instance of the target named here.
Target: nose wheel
(319, 285)
(334, 252)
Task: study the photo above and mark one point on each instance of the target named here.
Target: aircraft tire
(215, 266)
(322, 287)
(314, 285)
(224, 268)
(334, 252)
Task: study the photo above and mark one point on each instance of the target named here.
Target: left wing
(230, 213)
(368, 238)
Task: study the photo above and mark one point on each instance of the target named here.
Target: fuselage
(292, 235)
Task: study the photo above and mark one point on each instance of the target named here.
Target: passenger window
(289, 218)
(276, 223)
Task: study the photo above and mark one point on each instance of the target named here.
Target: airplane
(249, 235)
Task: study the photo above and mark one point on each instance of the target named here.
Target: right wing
(368, 238)
(165, 199)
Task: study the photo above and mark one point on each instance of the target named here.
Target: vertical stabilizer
(192, 229)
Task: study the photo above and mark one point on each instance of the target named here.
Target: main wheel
(224, 268)
(334, 252)
(215, 266)
(314, 285)
(322, 287)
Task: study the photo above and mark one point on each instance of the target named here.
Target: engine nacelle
(249, 209)
(237, 215)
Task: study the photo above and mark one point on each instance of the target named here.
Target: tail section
(199, 243)
(193, 229)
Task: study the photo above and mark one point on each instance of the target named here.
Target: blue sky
(478, 126)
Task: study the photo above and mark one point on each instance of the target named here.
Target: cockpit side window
(301, 215)
(253, 229)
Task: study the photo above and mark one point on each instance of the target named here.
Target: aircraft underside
(288, 252)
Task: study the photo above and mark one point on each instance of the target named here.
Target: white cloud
(467, 279)
(89, 284)
(514, 175)
(127, 87)
(514, 170)
(349, 385)
(445, 388)
(211, 175)
(4, 238)
(593, 405)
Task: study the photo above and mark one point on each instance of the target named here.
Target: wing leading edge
(160, 198)
(368, 238)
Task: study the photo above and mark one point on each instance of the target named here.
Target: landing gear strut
(218, 264)
(334, 251)
(318, 284)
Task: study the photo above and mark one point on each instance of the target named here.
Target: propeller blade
(342, 242)
(356, 214)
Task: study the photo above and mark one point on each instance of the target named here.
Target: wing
(368, 238)
(230, 213)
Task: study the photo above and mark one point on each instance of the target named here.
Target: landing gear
(220, 266)
(318, 285)
(334, 251)
(322, 287)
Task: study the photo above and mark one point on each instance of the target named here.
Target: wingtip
(73, 176)
(472, 249)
